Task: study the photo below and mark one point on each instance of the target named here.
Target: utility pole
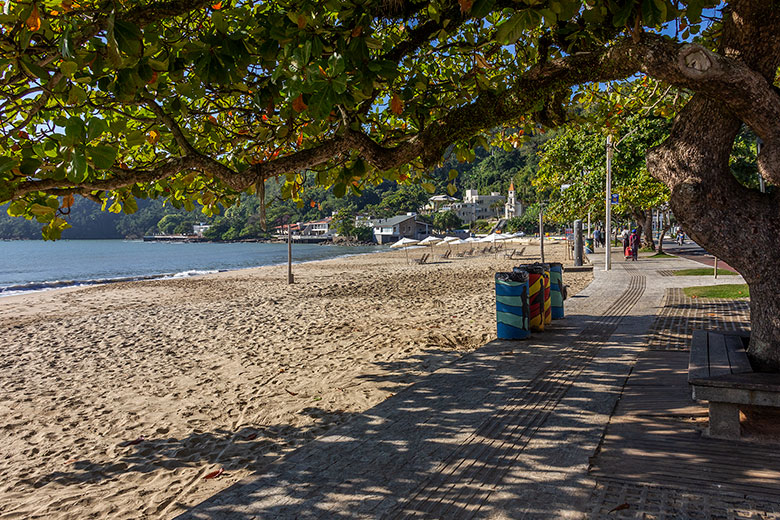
(541, 232)
(608, 223)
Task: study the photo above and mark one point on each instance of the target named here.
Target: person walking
(626, 245)
(633, 242)
(596, 237)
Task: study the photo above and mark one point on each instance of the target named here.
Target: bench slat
(737, 356)
(719, 358)
(697, 364)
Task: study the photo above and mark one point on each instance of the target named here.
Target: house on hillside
(389, 230)
(200, 228)
(318, 227)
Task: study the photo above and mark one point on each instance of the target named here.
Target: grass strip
(702, 271)
(730, 291)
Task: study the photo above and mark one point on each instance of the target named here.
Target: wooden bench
(719, 372)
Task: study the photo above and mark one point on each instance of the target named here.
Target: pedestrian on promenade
(596, 237)
(633, 242)
(626, 245)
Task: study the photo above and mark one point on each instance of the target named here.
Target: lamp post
(541, 231)
(608, 223)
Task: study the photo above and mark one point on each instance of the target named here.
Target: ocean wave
(195, 272)
(58, 284)
(22, 288)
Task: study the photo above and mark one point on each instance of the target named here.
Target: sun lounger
(423, 259)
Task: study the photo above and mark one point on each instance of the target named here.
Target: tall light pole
(541, 231)
(608, 223)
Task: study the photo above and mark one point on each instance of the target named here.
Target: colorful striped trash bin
(547, 294)
(512, 312)
(556, 289)
(535, 294)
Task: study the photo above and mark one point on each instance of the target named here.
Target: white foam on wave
(194, 272)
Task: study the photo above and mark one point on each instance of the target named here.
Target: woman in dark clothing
(633, 242)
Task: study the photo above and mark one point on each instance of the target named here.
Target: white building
(389, 230)
(511, 208)
(475, 206)
(199, 229)
(318, 227)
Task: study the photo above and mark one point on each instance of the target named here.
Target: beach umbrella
(430, 241)
(404, 242)
(450, 240)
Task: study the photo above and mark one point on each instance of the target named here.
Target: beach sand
(119, 399)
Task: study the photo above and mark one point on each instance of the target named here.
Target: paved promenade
(516, 429)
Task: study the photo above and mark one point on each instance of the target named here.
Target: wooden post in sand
(289, 254)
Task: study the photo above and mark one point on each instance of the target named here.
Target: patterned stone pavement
(653, 461)
(509, 431)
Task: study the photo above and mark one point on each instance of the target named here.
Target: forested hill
(490, 171)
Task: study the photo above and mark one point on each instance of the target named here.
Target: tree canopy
(197, 102)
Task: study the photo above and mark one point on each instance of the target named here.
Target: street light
(608, 223)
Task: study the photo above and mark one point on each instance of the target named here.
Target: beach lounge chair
(423, 259)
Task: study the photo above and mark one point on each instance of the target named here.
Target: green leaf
(102, 156)
(75, 128)
(29, 166)
(128, 37)
(68, 68)
(339, 189)
(95, 128)
(131, 206)
(427, 186)
(7, 163)
(77, 169)
(453, 173)
(511, 30)
(76, 95)
(135, 138)
(39, 210)
(451, 189)
(17, 208)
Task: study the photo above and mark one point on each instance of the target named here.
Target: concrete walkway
(508, 431)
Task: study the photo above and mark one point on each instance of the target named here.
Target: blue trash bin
(556, 289)
(512, 309)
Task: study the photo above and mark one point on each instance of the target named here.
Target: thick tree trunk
(649, 240)
(644, 221)
(738, 225)
(664, 229)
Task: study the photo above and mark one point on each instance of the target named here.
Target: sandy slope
(119, 399)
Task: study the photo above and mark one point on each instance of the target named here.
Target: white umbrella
(451, 239)
(430, 240)
(404, 242)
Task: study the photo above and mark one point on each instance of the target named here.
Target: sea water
(34, 265)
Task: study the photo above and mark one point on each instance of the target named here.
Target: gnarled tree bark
(737, 224)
